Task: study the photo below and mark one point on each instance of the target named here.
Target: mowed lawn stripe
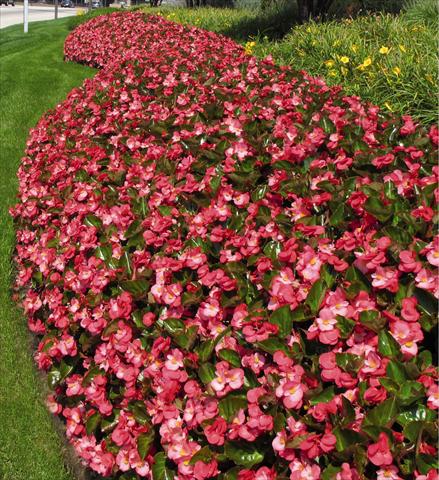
(33, 79)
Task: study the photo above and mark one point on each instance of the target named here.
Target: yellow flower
(366, 63)
(396, 70)
(329, 63)
(402, 48)
(248, 47)
(354, 48)
(344, 60)
(332, 73)
(429, 78)
(344, 70)
(384, 50)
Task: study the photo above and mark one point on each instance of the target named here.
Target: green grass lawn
(33, 78)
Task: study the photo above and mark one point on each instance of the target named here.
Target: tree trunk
(305, 9)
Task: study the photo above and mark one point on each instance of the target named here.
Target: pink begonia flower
(379, 453)
(388, 473)
(301, 471)
(408, 311)
(409, 262)
(347, 473)
(291, 394)
(205, 470)
(433, 397)
(432, 250)
(215, 432)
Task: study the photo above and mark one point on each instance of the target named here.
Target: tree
(312, 8)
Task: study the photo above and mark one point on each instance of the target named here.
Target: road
(13, 15)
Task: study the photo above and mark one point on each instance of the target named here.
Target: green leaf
(206, 373)
(424, 359)
(205, 350)
(159, 469)
(144, 442)
(187, 339)
(397, 234)
(232, 474)
(327, 274)
(230, 356)
(138, 288)
(230, 405)
(387, 345)
(125, 264)
(250, 379)
(272, 250)
(279, 421)
(215, 183)
(426, 302)
(316, 295)
(92, 423)
(259, 192)
(412, 430)
(283, 319)
(417, 413)
(299, 315)
(345, 326)
(273, 345)
(243, 453)
(323, 397)
(347, 412)
(173, 325)
(347, 438)
(349, 362)
(165, 210)
(390, 385)
(355, 276)
(53, 377)
(425, 463)
(139, 412)
(372, 320)
(330, 472)
(383, 414)
(376, 207)
(410, 392)
(92, 221)
(338, 216)
(105, 253)
(396, 371)
(65, 369)
(91, 373)
(205, 455)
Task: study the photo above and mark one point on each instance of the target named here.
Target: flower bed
(233, 267)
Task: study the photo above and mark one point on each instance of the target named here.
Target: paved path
(13, 15)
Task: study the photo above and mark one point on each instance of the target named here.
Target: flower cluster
(232, 267)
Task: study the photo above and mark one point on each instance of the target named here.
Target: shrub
(401, 77)
(274, 21)
(233, 268)
(423, 12)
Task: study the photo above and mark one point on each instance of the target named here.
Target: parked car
(7, 2)
(67, 4)
(96, 4)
